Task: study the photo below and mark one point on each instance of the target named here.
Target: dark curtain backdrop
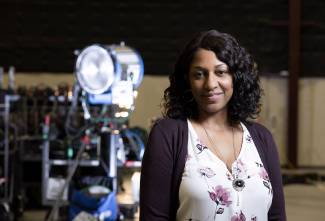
(41, 35)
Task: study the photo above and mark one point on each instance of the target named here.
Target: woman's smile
(212, 96)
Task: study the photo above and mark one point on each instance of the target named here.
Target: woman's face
(210, 81)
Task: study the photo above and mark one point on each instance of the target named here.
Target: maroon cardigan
(163, 165)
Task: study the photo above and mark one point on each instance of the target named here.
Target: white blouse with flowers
(206, 191)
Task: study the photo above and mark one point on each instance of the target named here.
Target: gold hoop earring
(184, 96)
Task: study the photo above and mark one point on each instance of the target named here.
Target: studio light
(95, 69)
(109, 73)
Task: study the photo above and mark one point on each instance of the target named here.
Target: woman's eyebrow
(202, 68)
(219, 65)
(198, 67)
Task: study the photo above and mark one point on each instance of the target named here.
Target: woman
(205, 160)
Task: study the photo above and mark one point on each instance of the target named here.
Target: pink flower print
(266, 180)
(254, 218)
(189, 157)
(228, 176)
(241, 170)
(263, 174)
(220, 211)
(200, 145)
(198, 139)
(248, 139)
(214, 197)
(240, 217)
(206, 172)
(221, 197)
(267, 185)
(258, 164)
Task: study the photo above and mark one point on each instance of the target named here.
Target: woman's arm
(156, 177)
(277, 210)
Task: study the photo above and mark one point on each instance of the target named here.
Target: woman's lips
(213, 96)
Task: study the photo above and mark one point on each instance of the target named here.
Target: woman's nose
(211, 83)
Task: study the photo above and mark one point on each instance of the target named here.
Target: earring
(184, 96)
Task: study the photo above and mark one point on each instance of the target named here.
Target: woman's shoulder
(262, 137)
(169, 133)
(170, 125)
(258, 129)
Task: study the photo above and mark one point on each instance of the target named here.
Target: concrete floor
(35, 215)
(304, 202)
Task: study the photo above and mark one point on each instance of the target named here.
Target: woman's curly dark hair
(244, 102)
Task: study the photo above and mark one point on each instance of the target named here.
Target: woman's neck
(218, 120)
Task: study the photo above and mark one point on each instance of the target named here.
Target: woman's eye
(222, 72)
(199, 74)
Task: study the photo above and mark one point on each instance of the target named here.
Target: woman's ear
(186, 78)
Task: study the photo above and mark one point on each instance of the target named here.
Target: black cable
(71, 109)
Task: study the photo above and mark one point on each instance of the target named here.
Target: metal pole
(45, 168)
(294, 70)
(6, 140)
(112, 160)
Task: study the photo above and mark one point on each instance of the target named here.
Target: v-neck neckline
(223, 163)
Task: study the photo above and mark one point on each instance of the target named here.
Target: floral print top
(206, 191)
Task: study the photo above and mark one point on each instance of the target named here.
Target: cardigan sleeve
(156, 177)
(277, 210)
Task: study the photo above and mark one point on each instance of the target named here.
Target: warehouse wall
(311, 139)
(151, 91)
(311, 118)
(274, 110)
(273, 115)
